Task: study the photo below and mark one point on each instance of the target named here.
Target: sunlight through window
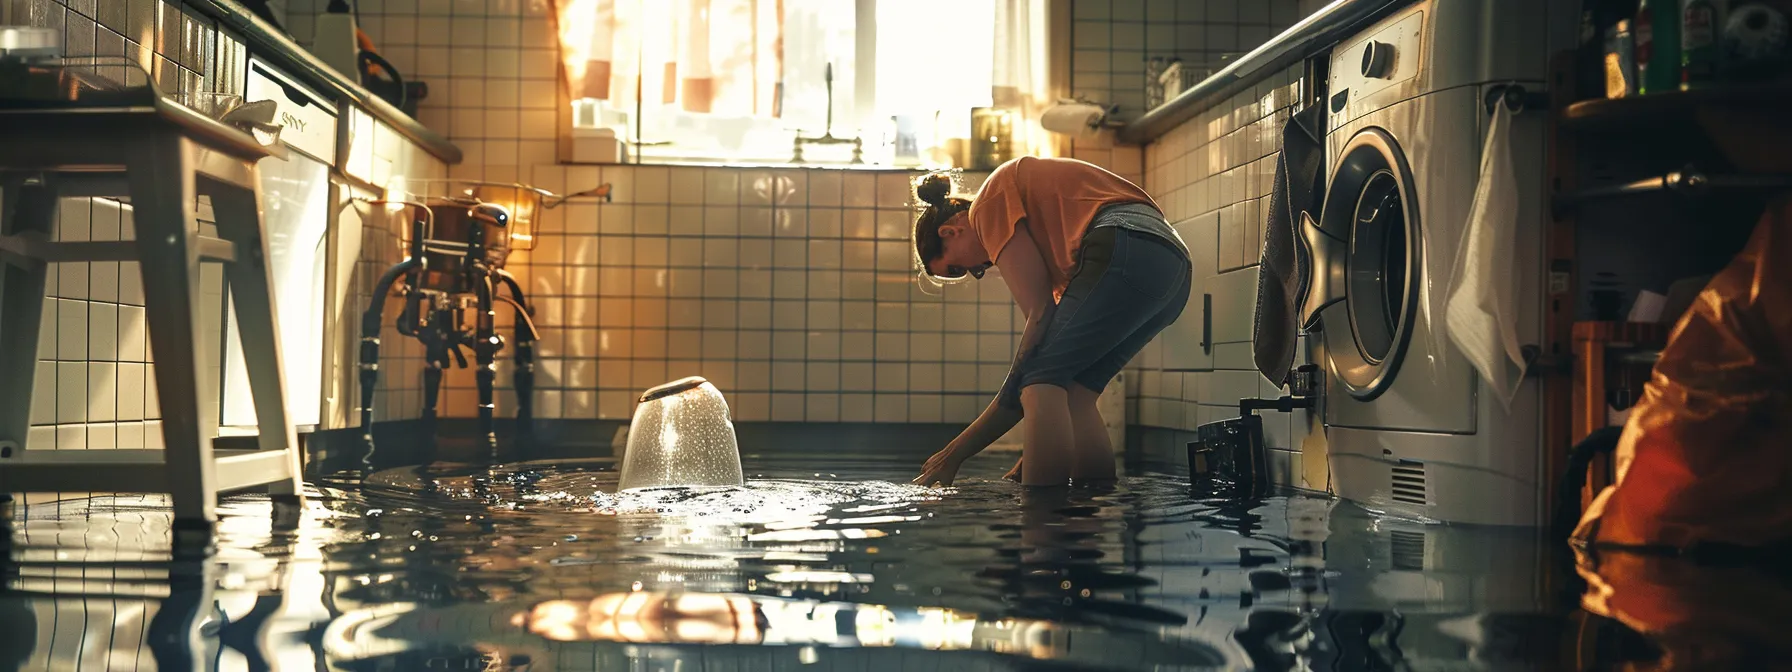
(735, 80)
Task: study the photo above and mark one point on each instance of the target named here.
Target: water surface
(545, 567)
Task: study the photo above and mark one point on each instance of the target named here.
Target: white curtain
(934, 60)
(721, 57)
(917, 77)
(1020, 77)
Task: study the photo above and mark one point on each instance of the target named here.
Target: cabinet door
(296, 218)
(1188, 344)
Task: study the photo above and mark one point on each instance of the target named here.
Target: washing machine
(1412, 431)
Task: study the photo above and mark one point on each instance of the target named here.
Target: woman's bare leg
(1094, 453)
(1049, 448)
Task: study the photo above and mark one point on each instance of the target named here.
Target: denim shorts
(1128, 287)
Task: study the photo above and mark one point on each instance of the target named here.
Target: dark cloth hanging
(1284, 269)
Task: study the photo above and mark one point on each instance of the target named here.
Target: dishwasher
(295, 202)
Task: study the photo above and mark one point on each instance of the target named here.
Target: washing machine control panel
(1368, 72)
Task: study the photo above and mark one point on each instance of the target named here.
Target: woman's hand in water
(941, 468)
(1013, 474)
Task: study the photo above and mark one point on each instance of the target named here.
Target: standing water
(547, 567)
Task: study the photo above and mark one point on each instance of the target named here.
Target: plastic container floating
(681, 436)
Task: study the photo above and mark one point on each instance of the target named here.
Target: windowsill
(765, 165)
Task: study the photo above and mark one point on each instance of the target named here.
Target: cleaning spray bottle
(1698, 44)
(335, 42)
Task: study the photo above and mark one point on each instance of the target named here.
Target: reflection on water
(545, 567)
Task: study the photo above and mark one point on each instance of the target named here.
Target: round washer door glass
(1377, 268)
(1368, 208)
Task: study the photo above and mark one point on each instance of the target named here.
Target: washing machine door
(1365, 247)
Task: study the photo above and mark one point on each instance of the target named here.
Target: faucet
(858, 144)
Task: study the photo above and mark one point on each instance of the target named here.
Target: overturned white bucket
(681, 435)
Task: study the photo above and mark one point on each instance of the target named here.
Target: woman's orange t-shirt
(1058, 198)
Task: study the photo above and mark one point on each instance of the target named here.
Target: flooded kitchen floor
(820, 562)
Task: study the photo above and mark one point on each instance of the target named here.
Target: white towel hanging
(1482, 310)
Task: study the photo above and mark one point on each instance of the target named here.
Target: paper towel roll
(1080, 119)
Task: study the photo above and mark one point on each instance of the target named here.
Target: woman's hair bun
(934, 188)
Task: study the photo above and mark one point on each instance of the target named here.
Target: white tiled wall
(1214, 175)
(790, 288)
(377, 155)
(1111, 40)
(95, 380)
(95, 385)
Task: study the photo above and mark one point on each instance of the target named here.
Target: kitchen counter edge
(1305, 38)
(269, 44)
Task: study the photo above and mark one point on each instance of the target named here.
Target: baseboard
(406, 442)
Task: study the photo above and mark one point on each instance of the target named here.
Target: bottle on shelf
(1597, 19)
(1698, 44)
(1657, 33)
(1620, 61)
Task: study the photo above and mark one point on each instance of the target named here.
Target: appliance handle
(294, 94)
(361, 64)
(1207, 323)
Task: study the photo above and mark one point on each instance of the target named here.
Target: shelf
(1745, 123)
(1621, 333)
(1689, 182)
(1667, 110)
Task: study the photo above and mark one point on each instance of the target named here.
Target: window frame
(1058, 48)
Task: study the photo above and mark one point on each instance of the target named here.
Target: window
(741, 80)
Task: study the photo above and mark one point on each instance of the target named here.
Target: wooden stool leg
(27, 209)
(251, 290)
(163, 194)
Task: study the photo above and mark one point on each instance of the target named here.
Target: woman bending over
(1097, 272)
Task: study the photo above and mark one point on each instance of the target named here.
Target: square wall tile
(824, 346)
(71, 392)
(43, 393)
(825, 223)
(71, 329)
(894, 190)
(891, 408)
(859, 189)
(822, 407)
(856, 408)
(857, 376)
(821, 377)
(787, 407)
(721, 186)
(71, 437)
(825, 188)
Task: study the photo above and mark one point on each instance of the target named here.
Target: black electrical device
(1229, 458)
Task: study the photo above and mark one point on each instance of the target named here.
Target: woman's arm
(1023, 268)
(1024, 271)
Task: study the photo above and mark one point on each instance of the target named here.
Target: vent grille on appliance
(1407, 550)
(1409, 482)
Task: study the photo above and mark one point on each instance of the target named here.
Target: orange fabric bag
(1707, 454)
